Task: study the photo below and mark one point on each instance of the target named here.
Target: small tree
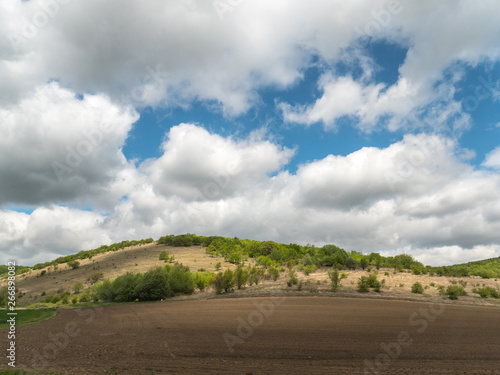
(363, 262)
(218, 282)
(336, 279)
(74, 264)
(228, 280)
(273, 272)
(78, 287)
(241, 276)
(417, 288)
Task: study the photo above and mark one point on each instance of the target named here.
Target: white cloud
(439, 209)
(198, 165)
(57, 148)
(492, 159)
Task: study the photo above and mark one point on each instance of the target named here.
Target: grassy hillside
(199, 265)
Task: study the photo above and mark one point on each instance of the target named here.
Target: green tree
(241, 276)
(417, 288)
(363, 262)
(228, 280)
(78, 287)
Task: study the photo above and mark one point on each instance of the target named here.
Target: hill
(192, 265)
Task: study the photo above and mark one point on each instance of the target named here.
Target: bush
(65, 299)
(74, 264)
(310, 268)
(455, 291)
(367, 282)
(202, 280)
(335, 279)
(78, 287)
(218, 266)
(488, 291)
(228, 281)
(85, 297)
(307, 260)
(274, 273)
(163, 256)
(153, 285)
(74, 300)
(256, 275)
(417, 288)
(218, 282)
(95, 277)
(241, 276)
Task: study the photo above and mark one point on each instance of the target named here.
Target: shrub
(56, 299)
(299, 287)
(78, 287)
(202, 280)
(180, 281)
(217, 282)
(363, 286)
(218, 266)
(256, 275)
(417, 288)
(65, 299)
(241, 276)
(335, 279)
(363, 262)
(74, 264)
(95, 277)
(367, 282)
(85, 297)
(307, 260)
(43, 293)
(163, 256)
(74, 300)
(487, 292)
(228, 280)
(455, 291)
(274, 273)
(43, 272)
(310, 268)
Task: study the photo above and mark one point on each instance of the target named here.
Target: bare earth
(287, 335)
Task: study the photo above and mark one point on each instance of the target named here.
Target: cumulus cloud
(58, 148)
(198, 165)
(439, 208)
(72, 77)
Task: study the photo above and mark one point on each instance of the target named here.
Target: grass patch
(25, 317)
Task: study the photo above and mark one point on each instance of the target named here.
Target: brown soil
(291, 335)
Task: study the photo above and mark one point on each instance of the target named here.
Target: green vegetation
(88, 254)
(488, 268)
(417, 288)
(19, 270)
(486, 292)
(335, 278)
(25, 317)
(453, 291)
(158, 283)
(365, 283)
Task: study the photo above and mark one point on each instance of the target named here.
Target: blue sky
(373, 125)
